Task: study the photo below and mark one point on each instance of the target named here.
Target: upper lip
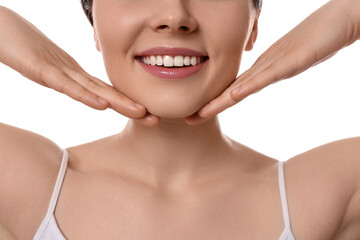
(171, 51)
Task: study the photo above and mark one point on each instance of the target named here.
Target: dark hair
(87, 7)
(258, 3)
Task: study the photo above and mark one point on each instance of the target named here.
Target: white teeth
(153, 60)
(187, 61)
(179, 61)
(169, 61)
(159, 61)
(193, 61)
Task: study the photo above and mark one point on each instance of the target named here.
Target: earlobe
(252, 39)
(251, 42)
(96, 41)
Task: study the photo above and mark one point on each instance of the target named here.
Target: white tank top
(49, 229)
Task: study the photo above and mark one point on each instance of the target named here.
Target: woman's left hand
(329, 29)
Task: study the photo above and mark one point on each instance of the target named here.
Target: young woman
(162, 177)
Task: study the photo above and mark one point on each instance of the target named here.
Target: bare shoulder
(14, 139)
(324, 181)
(28, 170)
(339, 156)
(22, 148)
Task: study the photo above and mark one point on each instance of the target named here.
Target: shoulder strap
(282, 189)
(59, 182)
(54, 196)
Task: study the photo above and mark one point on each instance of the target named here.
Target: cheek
(116, 30)
(226, 36)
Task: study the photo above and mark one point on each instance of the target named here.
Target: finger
(242, 88)
(207, 110)
(98, 81)
(270, 75)
(66, 85)
(148, 120)
(221, 102)
(217, 105)
(117, 101)
(195, 119)
(96, 86)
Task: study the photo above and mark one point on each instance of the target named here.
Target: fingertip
(139, 111)
(204, 114)
(102, 107)
(148, 121)
(139, 106)
(237, 94)
(102, 101)
(152, 120)
(190, 122)
(234, 92)
(194, 120)
(97, 104)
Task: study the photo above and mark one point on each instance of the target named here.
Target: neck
(173, 153)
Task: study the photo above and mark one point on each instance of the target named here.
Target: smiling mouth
(169, 61)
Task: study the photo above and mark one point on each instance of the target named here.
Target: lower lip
(172, 73)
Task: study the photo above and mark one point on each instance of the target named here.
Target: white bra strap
(54, 196)
(282, 189)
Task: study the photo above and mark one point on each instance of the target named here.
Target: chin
(172, 109)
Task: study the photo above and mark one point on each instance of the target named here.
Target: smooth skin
(58, 70)
(286, 58)
(322, 189)
(319, 37)
(182, 183)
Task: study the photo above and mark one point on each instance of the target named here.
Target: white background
(281, 121)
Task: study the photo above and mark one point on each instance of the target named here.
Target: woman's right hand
(25, 49)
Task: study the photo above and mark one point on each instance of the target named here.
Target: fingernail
(205, 108)
(102, 101)
(139, 106)
(236, 91)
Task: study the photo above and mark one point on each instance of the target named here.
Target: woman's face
(219, 29)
